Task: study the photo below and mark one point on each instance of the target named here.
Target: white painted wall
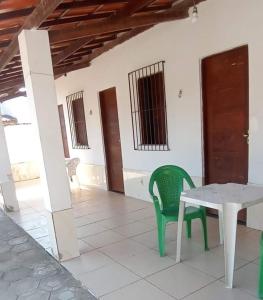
(222, 25)
(18, 108)
(21, 143)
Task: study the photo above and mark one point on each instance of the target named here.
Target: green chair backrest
(170, 183)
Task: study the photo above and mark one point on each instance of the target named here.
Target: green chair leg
(203, 220)
(260, 282)
(161, 236)
(189, 228)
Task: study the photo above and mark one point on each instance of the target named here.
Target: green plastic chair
(260, 281)
(170, 181)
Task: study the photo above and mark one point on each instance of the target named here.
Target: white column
(6, 178)
(41, 91)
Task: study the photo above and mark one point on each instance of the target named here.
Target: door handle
(246, 136)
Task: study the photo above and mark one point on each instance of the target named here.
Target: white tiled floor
(119, 255)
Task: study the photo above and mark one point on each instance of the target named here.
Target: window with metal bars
(148, 108)
(77, 121)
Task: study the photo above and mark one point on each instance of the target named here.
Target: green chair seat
(190, 212)
(169, 181)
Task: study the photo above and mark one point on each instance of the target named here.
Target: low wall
(25, 171)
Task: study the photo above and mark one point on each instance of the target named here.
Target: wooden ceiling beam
(128, 10)
(123, 38)
(9, 72)
(61, 70)
(91, 48)
(5, 43)
(75, 19)
(132, 7)
(71, 49)
(82, 4)
(58, 71)
(16, 13)
(103, 27)
(43, 9)
(12, 94)
(86, 61)
(11, 30)
(103, 39)
(75, 59)
(18, 82)
(12, 64)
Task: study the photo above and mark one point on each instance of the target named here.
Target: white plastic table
(228, 199)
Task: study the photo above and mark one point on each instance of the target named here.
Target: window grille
(148, 108)
(77, 121)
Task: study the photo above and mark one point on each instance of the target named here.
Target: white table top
(215, 195)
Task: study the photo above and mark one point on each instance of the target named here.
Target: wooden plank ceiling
(79, 30)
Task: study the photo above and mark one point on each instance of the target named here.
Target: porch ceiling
(79, 30)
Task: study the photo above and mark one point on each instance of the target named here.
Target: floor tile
(124, 231)
(133, 229)
(180, 280)
(141, 290)
(84, 247)
(190, 249)
(104, 238)
(40, 222)
(247, 249)
(246, 279)
(44, 242)
(38, 232)
(122, 249)
(25, 218)
(146, 263)
(150, 238)
(28, 272)
(116, 221)
(89, 229)
(217, 291)
(212, 235)
(87, 262)
(84, 220)
(212, 263)
(142, 214)
(107, 279)
(151, 221)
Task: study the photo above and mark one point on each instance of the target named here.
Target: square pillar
(6, 178)
(39, 81)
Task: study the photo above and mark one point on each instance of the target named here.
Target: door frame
(67, 155)
(202, 106)
(103, 139)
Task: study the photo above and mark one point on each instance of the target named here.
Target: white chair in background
(71, 165)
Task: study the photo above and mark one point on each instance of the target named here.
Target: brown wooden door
(111, 133)
(63, 130)
(225, 116)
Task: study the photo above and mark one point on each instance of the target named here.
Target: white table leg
(221, 226)
(230, 226)
(179, 231)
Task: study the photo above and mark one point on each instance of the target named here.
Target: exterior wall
(22, 152)
(20, 140)
(222, 25)
(23, 171)
(92, 175)
(18, 108)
